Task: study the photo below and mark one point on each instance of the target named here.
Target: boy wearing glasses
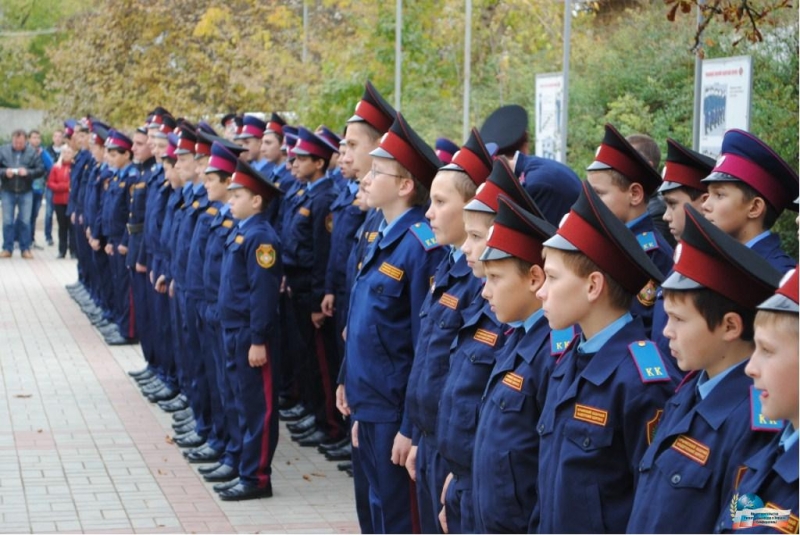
(386, 298)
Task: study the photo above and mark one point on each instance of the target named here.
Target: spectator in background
(19, 167)
(54, 151)
(35, 140)
(58, 185)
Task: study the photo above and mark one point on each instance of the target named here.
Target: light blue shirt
(312, 185)
(187, 187)
(789, 437)
(197, 188)
(352, 185)
(243, 222)
(225, 210)
(706, 385)
(456, 252)
(757, 239)
(385, 227)
(630, 224)
(528, 323)
(593, 344)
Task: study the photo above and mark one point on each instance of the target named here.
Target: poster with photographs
(725, 90)
(549, 94)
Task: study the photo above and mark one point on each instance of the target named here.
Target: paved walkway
(82, 451)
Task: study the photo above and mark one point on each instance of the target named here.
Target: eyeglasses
(374, 172)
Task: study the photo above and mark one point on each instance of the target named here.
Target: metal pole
(565, 73)
(305, 31)
(467, 69)
(398, 51)
(698, 75)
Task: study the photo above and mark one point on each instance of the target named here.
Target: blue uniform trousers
(229, 394)
(286, 361)
(257, 407)
(176, 328)
(389, 484)
(361, 487)
(432, 470)
(83, 250)
(123, 299)
(162, 335)
(103, 283)
(141, 310)
(217, 436)
(193, 360)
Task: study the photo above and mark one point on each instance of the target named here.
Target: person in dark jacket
(20, 165)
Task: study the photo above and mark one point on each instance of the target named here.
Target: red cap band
(185, 144)
(254, 185)
(790, 287)
(373, 116)
(222, 164)
(754, 176)
(252, 130)
(684, 174)
(311, 148)
(274, 127)
(472, 165)
(618, 161)
(516, 243)
(202, 149)
(403, 153)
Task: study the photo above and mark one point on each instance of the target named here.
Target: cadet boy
(505, 462)
(704, 433)
(747, 190)
(250, 283)
(684, 169)
(771, 474)
(385, 302)
(453, 289)
(609, 386)
(472, 355)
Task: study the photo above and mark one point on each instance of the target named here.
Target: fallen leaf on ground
(23, 396)
(317, 474)
(168, 440)
(307, 477)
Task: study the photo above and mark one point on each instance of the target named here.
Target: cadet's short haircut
(617, 178)
(421, 194)
(34, 131)
(583, 266)
(277, 135)
(464, 185)
(713, 307)
(523, 266)
(222, 175)
(780, 320)
(486, 217)
(770, 213)
(647, 147)
(373, 135)
(693, 193)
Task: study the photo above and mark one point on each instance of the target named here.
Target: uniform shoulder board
(759, 422)
(196, 204)
(212, 211)
(425, 235)
(228, 223)
(239, 239)
(648, 361)
(647, 240)
(140, 185)
(560, 339)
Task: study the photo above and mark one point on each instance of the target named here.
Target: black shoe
(342, 454)
(349, 472)
(243, 491)
(141, 383)
(314, 439)
(331, 445)
(50, 242)
(173, 405)
(152, 387)
(165, 394)
(182, 415)
(208, 468)
(285, 402)
(141, 374)
(182, 429)
(102, 324)
(205, 455)
(305, 434)
(302, 425)
(219, 487)
(189, 440)
(344, 466)
(222, 474)
(92, 310)
(294, 413)
(74, 285)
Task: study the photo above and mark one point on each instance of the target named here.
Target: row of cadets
(372, 118)
(711, 425)
(553, 186)
(280, 175)
(209, 424)
(334, 169)
(684, 170)
(749, 187)
(386, 298)
(250, 281)
(306, 239)
(160, 124)
(771, 476)
(225, 444)
(77, 135)
(472, 358)
(112, 229)
(453, 289)
(608, 388)
(95, 297)
(250, 137)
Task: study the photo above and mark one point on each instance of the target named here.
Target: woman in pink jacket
(58, 182)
